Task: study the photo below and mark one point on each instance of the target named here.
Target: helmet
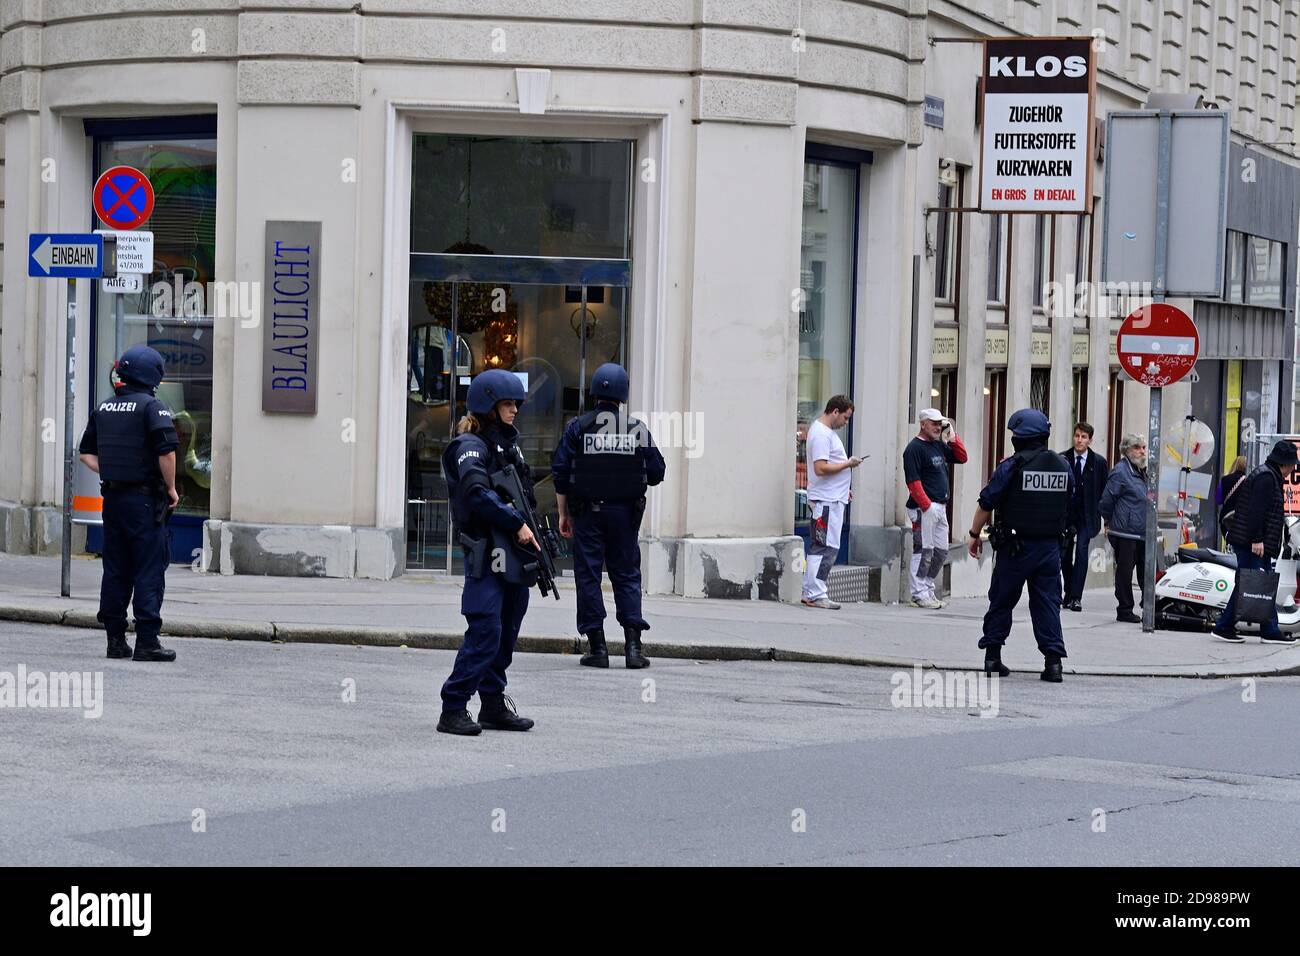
(494, 385)
(141, 365)
(610, 382)
(1029, 423)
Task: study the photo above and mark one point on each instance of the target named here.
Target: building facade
(737, 200)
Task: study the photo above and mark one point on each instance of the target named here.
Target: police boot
(632, 655)
(599, 656)
(152, 651)
(498, 713)
(1051, 668)
(118, 648)
(993, 662)
(458, 722)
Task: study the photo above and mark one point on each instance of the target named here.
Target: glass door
(828, 267)
(520, 260)
(553, 336)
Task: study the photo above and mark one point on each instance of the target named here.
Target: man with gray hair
(925, 469)
(1124, 507)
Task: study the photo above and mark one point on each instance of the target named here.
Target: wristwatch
(974, 534)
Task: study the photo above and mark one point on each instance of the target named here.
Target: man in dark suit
(1090, 474)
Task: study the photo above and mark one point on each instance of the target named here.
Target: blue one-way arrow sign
(65, 255)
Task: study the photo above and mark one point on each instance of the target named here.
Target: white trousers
(929, 547)
(824, 532)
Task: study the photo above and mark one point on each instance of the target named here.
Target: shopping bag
(1256, 595)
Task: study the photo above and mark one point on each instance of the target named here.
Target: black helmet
(141, 365)
(494, 385)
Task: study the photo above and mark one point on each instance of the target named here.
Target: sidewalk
(424, 611)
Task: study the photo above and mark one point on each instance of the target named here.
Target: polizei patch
(1044, 480)
(599, 443)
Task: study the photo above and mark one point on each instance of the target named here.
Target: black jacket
(1084, 509)
(1259, 507)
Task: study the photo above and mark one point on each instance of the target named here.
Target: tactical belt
(136, 487)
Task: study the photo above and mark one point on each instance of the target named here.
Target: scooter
(1193, 592)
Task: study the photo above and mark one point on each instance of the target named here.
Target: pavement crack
(1030, 829)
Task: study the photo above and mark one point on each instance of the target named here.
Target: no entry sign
(1158, 345)
(123, 198)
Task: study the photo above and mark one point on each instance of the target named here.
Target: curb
(434, 639)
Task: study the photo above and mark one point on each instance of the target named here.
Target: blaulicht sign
(1036, 150)
(291, 316)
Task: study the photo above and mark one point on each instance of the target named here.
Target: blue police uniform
(493, 607)
(603, 463)
(1030, 492)
(128, 433)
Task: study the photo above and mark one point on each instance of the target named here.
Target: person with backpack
(1256, 537)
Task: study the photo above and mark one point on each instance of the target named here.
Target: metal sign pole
(69, 390)
(1163, 162)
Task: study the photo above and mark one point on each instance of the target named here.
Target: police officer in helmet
(1029, 494)
(602, 467)
(131, 444)
(496, 542)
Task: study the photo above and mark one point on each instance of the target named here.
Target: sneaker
(1128, 617)
(1279, 639)
(826, 603)
(1231, 637)
(928, 602)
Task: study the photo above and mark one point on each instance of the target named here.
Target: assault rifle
(506, 482)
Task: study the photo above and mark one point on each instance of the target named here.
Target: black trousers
(1129, 554)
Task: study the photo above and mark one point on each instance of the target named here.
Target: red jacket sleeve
(918, 495)
(958, 450)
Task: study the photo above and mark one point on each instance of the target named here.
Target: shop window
(174, 314)
(947, 241)
(1040, 389)
(828, 270)
(1082, 248)
(519, 261)
(1079, 396)
(995, 419)
(999, 232)
(1264, 273)
(1115, 412)
(1235, 270)
(1043, 233)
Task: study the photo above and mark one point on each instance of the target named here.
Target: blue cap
(1029, 423)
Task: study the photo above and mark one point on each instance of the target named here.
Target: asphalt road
(713, 763)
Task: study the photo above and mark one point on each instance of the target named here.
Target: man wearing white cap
(925, 469)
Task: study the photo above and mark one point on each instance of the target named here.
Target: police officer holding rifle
(491, 493)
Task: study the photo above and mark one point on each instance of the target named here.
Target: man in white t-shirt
(828, 492)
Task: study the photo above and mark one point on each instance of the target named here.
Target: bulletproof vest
(486, 447)
(1037, 499)
(610, 461)
(122, 434)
